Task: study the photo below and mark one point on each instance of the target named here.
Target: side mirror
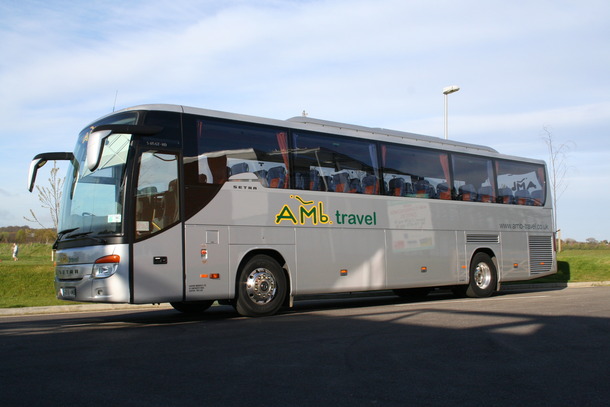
(40, 160)
(95, 146)
(34, 166)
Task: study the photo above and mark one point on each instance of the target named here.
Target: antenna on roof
(115, 96)
(304, 114)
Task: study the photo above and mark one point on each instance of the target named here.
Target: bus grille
(481, 238)
(541, 254)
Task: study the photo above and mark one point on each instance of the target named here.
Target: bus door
(157, 262)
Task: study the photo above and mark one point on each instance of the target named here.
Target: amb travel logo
(310, 212)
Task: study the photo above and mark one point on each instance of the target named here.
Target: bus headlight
(106, 266)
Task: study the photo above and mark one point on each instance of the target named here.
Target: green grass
(29, 281)
(581, 265)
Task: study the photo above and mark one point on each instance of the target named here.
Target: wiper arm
(79, 234)
(61, 234)
(86, 234)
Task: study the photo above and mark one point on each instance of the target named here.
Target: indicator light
(113, 258)
(106, 266)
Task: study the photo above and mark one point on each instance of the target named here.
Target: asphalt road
(531, 348)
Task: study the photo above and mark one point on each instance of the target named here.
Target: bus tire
(261, 287)
(192, 307)
(483, 276)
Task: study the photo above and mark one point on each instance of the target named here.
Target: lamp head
(450, 89)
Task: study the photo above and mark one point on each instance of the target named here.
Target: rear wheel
(192, 307)
(261, 287)
(483, 276)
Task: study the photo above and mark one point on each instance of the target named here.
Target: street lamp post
(447, 91)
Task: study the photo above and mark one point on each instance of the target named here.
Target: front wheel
(483, 276)
(261, 287)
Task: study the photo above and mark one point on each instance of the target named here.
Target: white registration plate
(68, 292)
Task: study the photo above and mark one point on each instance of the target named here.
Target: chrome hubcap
(482, 275)
(261, 286)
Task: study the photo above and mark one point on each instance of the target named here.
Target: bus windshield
(92, 202)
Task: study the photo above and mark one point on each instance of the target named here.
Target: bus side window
(415, 172)
(524, 182)
(220, 149)
(335, 164)
(157, 200)
(474, 178)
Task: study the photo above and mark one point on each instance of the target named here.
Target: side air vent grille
(541, 254)
(481, 238)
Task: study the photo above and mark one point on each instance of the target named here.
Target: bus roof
(326, 124)
(307, 123)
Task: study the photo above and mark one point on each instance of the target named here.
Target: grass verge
(580, 265)
(29, 281)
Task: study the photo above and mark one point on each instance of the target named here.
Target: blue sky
(522, 66)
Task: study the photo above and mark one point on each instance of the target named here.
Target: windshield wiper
(86, 234)
(78, 234)
(61, 234)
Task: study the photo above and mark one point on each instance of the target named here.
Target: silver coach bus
(175, 204)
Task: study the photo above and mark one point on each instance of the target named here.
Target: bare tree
(558, 166)
(49, 197)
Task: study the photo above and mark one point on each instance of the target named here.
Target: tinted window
(170, 135)
(328, 163)
(157, 194)
(225, 149)
(415, 172)
(520, 183)
(473, 178)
